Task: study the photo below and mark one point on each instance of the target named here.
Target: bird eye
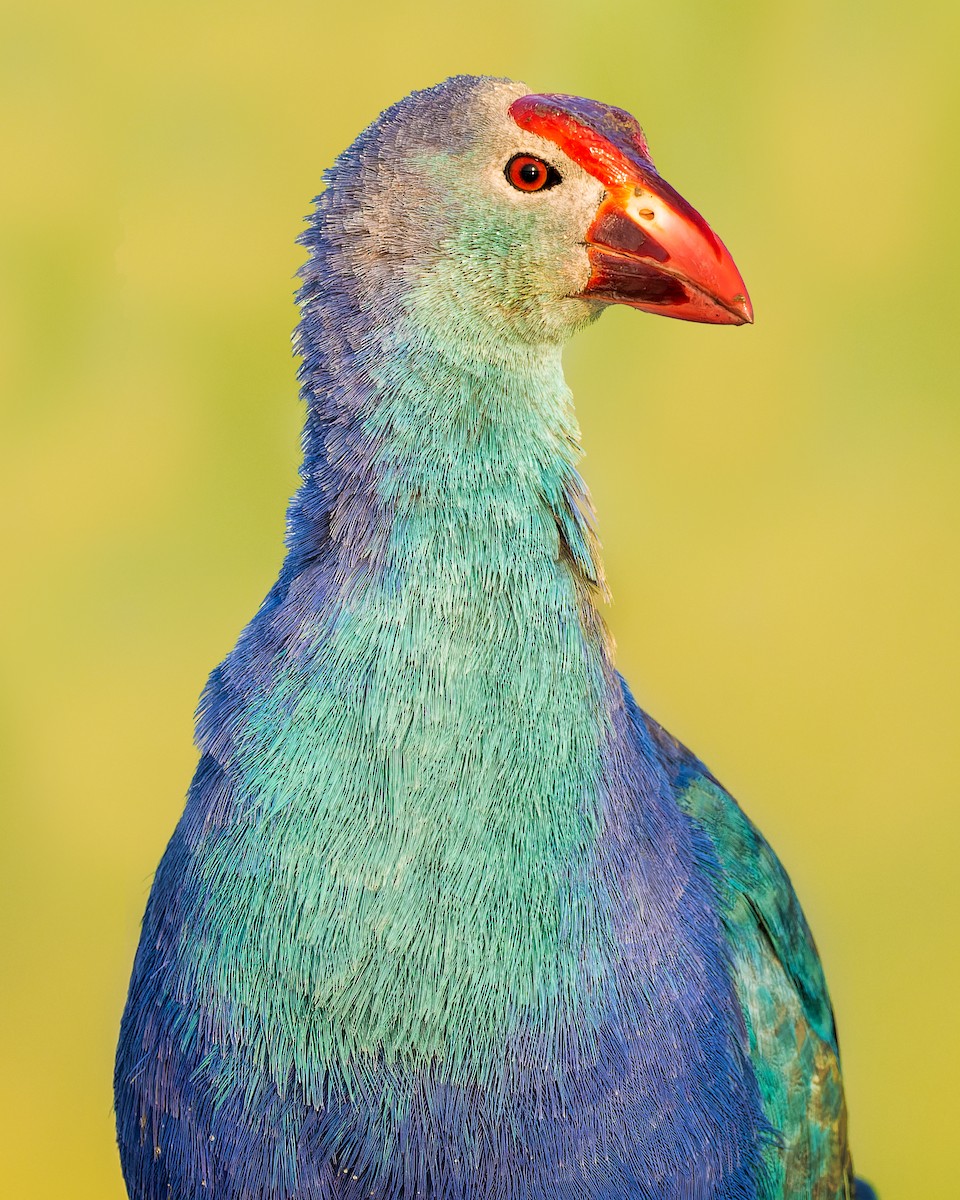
(529, 174)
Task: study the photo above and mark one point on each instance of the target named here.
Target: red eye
(529, 174)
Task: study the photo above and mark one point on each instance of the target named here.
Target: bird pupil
(530, 172)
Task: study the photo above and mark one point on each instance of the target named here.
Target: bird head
(497, 214)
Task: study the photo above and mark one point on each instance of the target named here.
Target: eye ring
(527, 173)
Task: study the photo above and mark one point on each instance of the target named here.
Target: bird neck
(433, 720)
(432, 447)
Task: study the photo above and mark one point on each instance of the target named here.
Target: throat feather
(421, 779)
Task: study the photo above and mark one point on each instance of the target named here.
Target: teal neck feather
(483, 449)
(408, 792)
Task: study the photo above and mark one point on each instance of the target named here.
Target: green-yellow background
(779, 505)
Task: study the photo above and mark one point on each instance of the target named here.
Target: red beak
(647, 246)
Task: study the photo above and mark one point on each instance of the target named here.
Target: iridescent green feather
(784, 997)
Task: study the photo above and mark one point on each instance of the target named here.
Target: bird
(447, 915)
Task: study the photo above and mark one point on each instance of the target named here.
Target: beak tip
(743, 308)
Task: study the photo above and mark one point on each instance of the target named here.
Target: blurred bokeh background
(779, 505)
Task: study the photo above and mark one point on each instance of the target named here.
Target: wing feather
(780, 985)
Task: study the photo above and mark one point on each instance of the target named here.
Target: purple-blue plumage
(658, 1099)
